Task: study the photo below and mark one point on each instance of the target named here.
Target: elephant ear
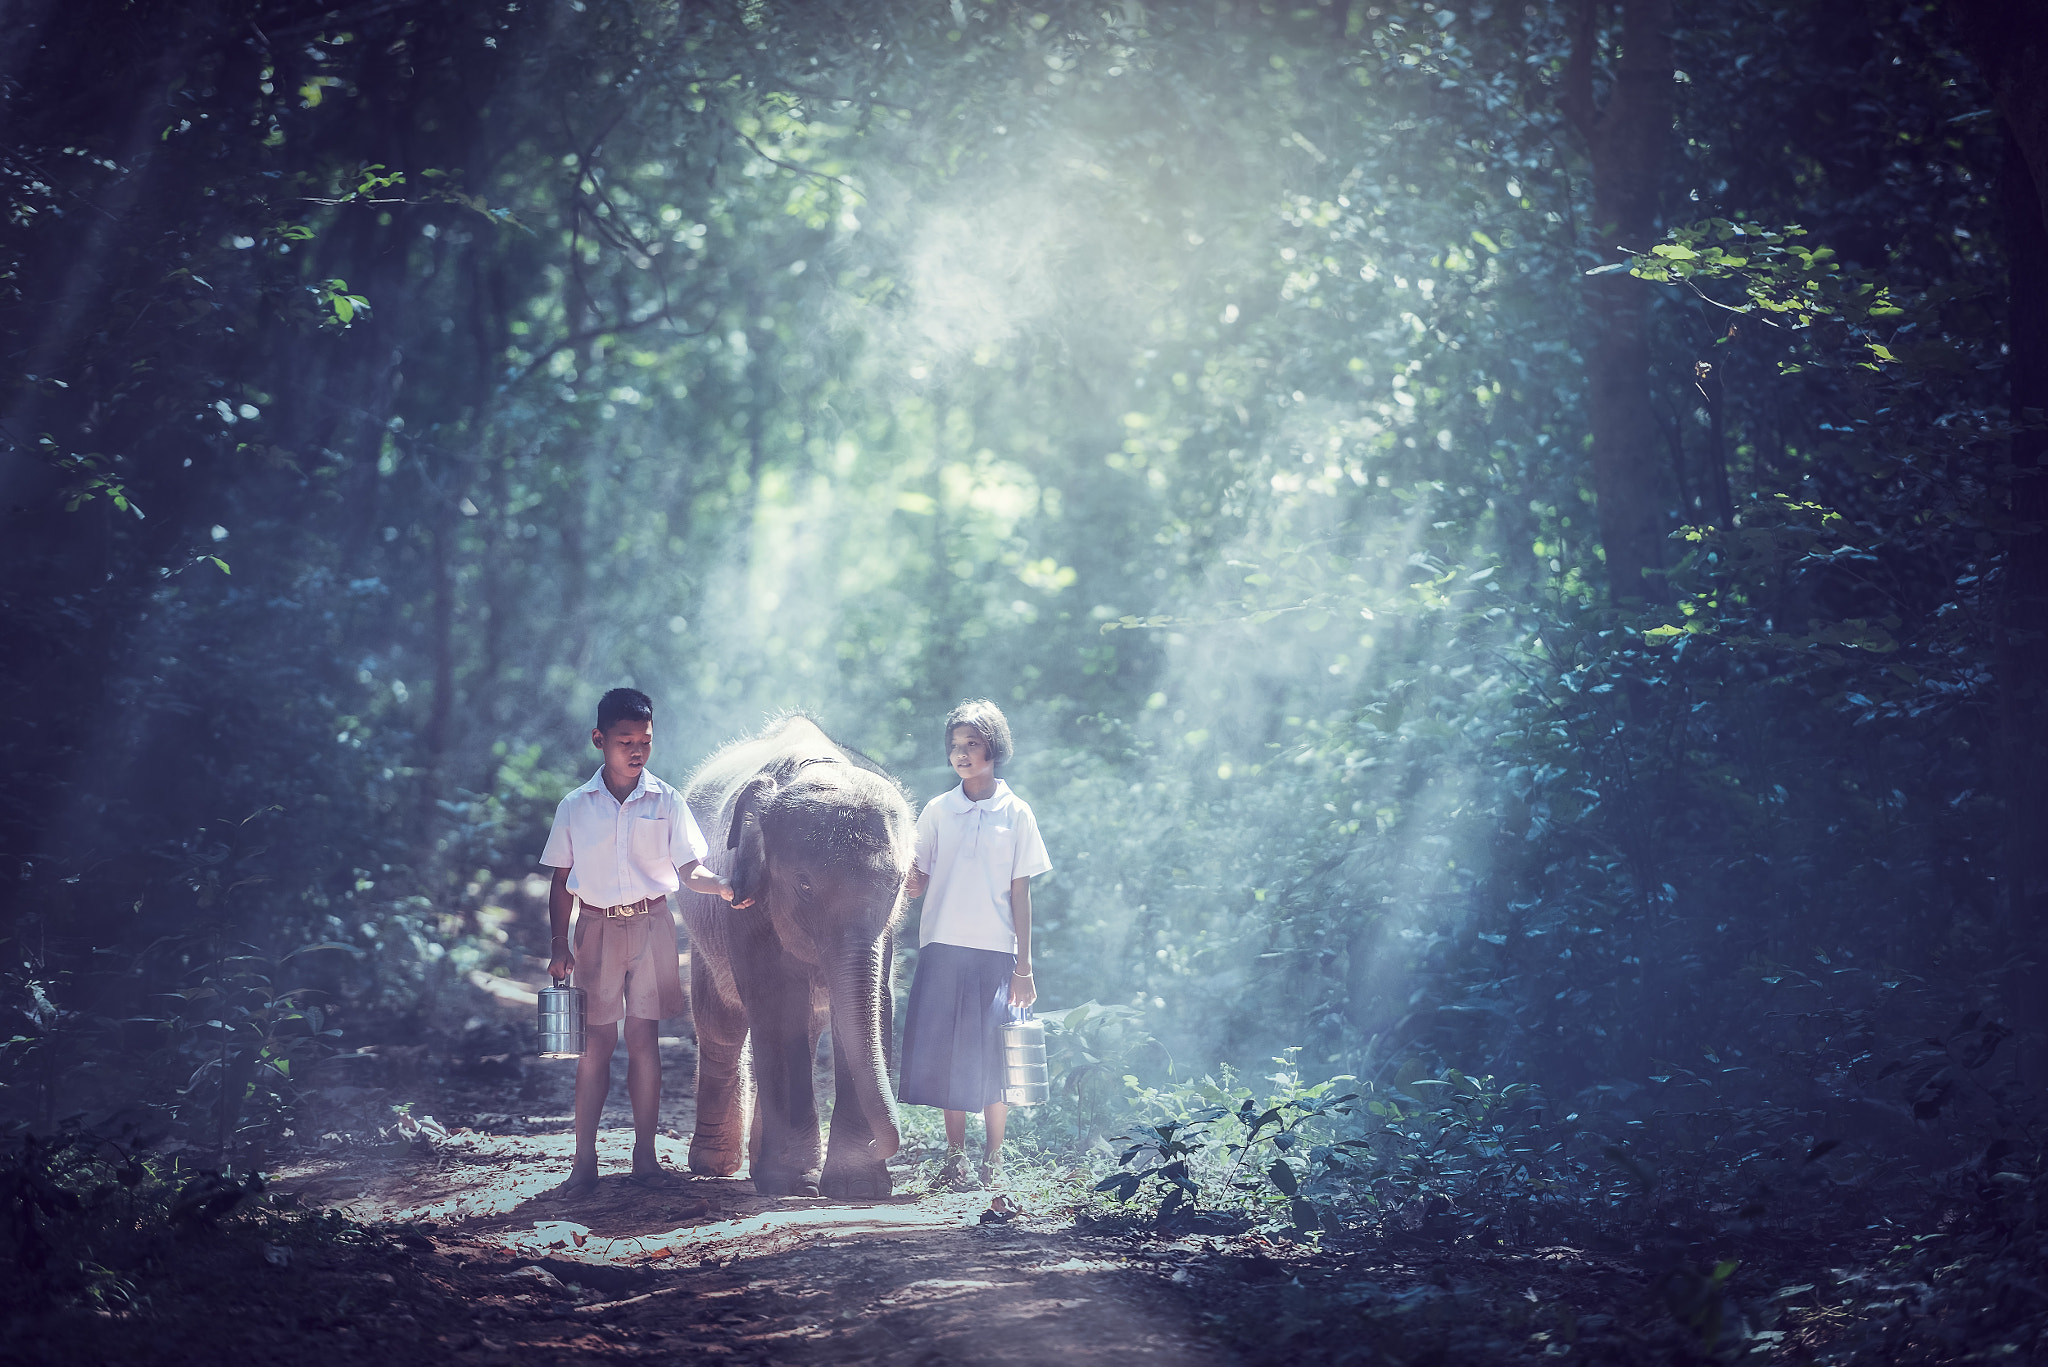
(750, 865)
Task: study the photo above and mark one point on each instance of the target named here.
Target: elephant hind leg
(724, 1089)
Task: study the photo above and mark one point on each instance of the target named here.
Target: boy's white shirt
(972, 851)
(620, 852)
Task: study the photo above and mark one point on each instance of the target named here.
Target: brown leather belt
(639, 908)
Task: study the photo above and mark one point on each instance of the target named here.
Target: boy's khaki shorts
(628, 966)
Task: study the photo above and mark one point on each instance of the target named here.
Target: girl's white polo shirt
(620, 852)
(972, 850)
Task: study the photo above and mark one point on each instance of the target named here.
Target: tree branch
(800, 170)
(1576, 98)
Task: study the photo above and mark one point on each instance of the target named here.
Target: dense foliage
(1213, 386)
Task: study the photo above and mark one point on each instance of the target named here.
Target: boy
(621, 844)
(978, 849)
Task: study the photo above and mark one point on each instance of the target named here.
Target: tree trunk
(2009, 43)
(1625, 138)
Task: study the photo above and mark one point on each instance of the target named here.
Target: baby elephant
(817, 845)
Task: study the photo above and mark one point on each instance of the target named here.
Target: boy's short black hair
(623, 704)
(988, 721)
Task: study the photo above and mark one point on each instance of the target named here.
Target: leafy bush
(87, 1214)
(1450, 1155)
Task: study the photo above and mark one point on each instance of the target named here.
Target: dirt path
(708, 1268)
(493, 1269)
(453, 1253)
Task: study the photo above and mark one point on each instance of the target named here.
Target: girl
(977, 850)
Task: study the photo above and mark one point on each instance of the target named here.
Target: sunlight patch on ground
(492, 1174)
(752, 1236)
(1077, 1265)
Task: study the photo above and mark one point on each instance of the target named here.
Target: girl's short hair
(988, 722)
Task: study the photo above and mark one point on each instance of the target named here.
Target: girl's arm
(1023, 991)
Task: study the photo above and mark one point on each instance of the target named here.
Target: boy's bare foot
(579, 1185)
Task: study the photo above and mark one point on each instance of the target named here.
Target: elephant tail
(750, 865)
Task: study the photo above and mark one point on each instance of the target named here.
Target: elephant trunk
(859, 978)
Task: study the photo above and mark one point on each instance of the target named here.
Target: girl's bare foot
(954, 1176)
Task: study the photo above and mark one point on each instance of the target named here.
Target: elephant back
(792, 772)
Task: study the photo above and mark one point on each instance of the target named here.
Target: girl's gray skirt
(953, 1028)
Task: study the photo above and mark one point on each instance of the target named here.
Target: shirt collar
(648, 784)
(959, 804)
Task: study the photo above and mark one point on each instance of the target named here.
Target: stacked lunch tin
(1025, 1082)
(562, 1011)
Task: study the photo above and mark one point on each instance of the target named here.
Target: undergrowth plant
(87, 1214)
(1456, 1154)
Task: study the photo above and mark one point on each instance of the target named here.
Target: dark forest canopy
(1511, 536)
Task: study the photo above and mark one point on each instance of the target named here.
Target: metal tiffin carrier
(1025, 1079)
(562, 1012)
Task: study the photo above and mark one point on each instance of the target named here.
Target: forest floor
(452, 1251)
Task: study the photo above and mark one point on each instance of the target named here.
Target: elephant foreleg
(776, 989)
(852, 1171)
(864, 1129)
(784, 1158)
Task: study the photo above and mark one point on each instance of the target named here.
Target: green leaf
(356, 950)
(1283, 1177)
(220, 564)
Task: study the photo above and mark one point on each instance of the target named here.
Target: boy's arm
(697, 878)
(560, 904)
(1023, 991)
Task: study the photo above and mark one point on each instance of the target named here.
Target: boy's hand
(918, 881)
(697, 878)
(562, 965)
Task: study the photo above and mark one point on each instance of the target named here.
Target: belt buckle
(632, 909)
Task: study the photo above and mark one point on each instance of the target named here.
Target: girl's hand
(1023, 989)
(725, 889)
(563, 964)
(917, 882)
